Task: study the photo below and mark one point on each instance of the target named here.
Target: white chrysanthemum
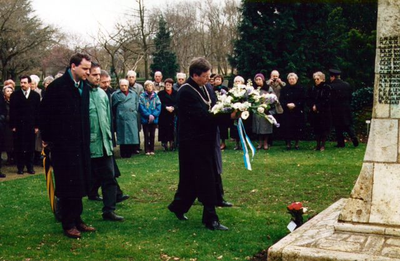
(245, 115)
(217, 108)
(244, 106)
(222, 97)
(236, 105)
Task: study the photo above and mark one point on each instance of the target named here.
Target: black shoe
(96, 198)
(224, 204)
(215, 225)
(2, 175)
(122, 198)
(20, 172)
(355, 142)
(180, 216)
(31, 171)
(111, 216)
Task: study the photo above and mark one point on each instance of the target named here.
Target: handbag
(278, 108)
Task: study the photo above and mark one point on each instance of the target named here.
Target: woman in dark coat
(166, 120)
(319, 97)
(223, 123)
(292, 100)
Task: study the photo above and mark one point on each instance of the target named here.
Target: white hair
(275, 71)
(239, 78)
(292, 74)
(48, 79)
(180, 76)
(6, 87)
(158, 72)
(123, 81)
(321, 75)
(35, 78)
(147, 83)
(131, 73)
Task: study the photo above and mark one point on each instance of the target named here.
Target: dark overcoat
(109, 93)
(292, 121)
(65, 125)
(3, 122)
(341, 103)
(197, 133)
(24, 116)
(321, 120)
(166, 120)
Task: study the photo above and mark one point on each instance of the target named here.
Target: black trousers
(220, 188)
(340, 136)
(126, 150)
(94, 189)
(25, 158)
(149, 136)
(103, 170)
(182, 203)
(71, 211)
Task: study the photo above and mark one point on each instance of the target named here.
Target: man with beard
(197, 133)
(65, 128)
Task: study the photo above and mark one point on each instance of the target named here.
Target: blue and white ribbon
(245, 140)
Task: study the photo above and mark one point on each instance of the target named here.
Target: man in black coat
(65, 129)
(341, 108)
(197, 133)
(24, 112)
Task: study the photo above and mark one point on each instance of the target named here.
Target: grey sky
(85, 17)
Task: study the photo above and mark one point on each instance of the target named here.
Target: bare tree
(208, 30)
(20, 34)
(142, 28)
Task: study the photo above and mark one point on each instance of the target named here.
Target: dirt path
(11, 172)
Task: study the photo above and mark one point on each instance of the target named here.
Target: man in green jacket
(101, 146)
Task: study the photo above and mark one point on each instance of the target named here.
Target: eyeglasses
(317, 79)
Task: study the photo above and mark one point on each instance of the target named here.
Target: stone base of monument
(324, 238)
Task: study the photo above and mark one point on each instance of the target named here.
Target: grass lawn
(28, 230)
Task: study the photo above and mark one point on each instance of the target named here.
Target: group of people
(79, 118)
(329, 104)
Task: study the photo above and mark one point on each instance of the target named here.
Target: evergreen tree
(164, 59)
(305, 37)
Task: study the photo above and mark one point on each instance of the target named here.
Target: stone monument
(367, 225)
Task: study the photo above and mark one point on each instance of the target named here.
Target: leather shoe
(2, 175)
(224, 204)
(85, 228)
(31, 171)
(122, 198)
(180, 216)
(20, 172)
(72, 233)
(97, 198)
(111, 216)
(215, 225)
